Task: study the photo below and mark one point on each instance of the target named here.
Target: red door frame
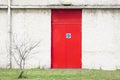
(52, 36)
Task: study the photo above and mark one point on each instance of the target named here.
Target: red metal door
(66, 38)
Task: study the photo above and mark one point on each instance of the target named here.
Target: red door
(66, 38)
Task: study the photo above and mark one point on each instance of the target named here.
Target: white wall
(74, 2)
(4, 39)
(34, 25)
(29, 2)
(3, 2)
(101, 39)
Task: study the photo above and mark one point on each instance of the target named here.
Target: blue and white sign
(68, 35)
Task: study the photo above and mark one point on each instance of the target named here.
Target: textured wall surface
(4, 39)
(31, 26)
(3, 2)
(101, 39)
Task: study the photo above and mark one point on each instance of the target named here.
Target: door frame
(52, 37)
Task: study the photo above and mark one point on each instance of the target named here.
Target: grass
(38, 74)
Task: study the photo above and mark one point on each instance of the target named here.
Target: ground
(38, 74)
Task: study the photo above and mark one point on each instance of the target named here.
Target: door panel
(73, 46)
(58, 46)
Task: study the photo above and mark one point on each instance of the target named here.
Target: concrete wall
(4, 39)
(3, 2)
(101, 39)
(34, 25)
